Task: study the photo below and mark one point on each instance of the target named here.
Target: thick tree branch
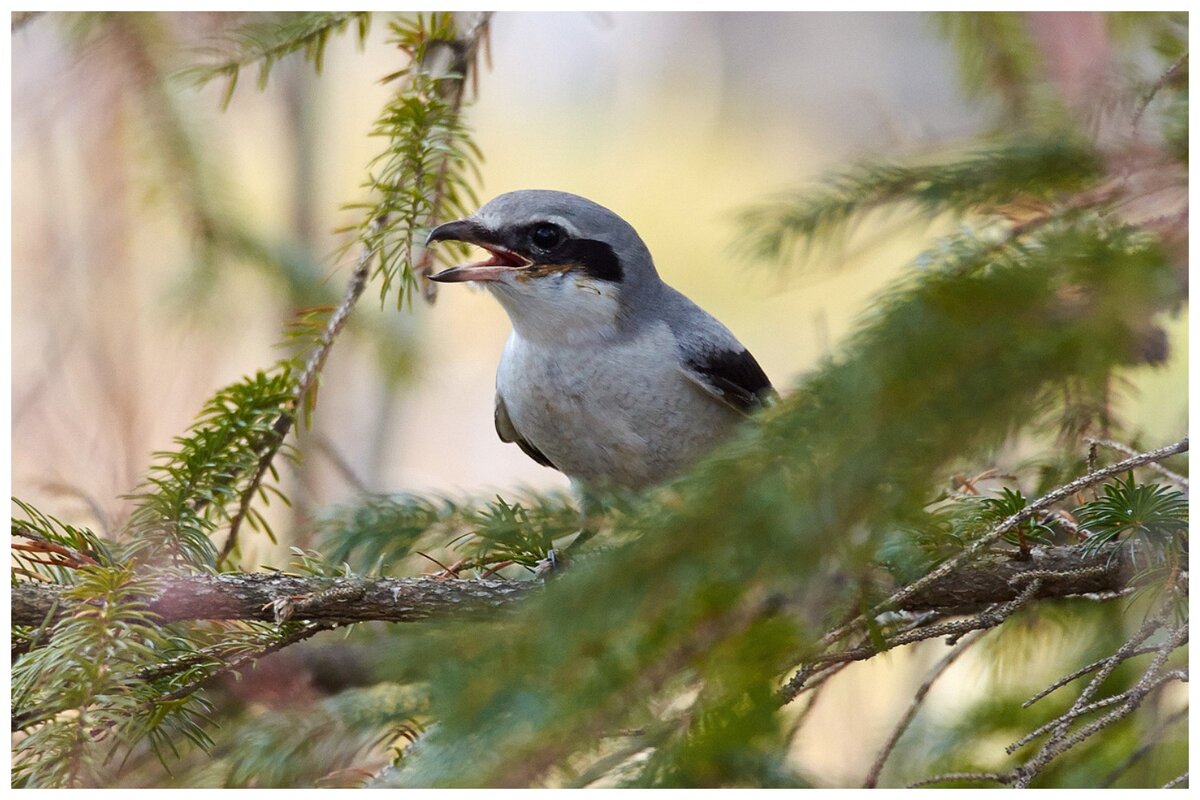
(275, 597)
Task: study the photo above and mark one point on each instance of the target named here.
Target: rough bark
(273, 597)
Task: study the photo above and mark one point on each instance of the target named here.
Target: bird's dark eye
(546, 236)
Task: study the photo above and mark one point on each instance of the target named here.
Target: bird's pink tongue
(498, 263)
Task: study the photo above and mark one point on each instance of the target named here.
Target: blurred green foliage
(657, 661)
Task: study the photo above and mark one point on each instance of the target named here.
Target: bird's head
(557, 262)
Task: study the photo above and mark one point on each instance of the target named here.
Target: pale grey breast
(614, 413)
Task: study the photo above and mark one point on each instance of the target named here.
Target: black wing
(508, 433)
(732, 376)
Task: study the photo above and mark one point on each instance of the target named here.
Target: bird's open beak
(502, 259)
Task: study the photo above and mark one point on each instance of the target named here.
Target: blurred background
(133, 301)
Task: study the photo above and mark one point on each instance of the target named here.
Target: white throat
(560, 310)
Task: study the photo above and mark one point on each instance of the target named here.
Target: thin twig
(816, 676)
(1171, 784)
(326, 446)
(813, 674)
(312, 367)
(988, 618)
(464, 59)
(1068, 717)
(1009, 524)
(1059, 742)
(1162, 81)
(1025, 775)
(1152, 739)
(73, 558)
(1084, 670)
(885, 752)
(1170, 475)
(298, 635)
(814, 694)
(1002, 778)
(1147, 629)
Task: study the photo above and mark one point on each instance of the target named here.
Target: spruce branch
(266, 596)
(849, 451)
(81, 696)
(899, 598)
(1037, 169)
(462, 65)
(995, 54)
(425, 171)
(191, 491)
(266, 42)
(303, 394)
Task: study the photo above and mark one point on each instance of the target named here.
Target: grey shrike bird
(610, 375)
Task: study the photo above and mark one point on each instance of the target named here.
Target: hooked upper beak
(501, 262)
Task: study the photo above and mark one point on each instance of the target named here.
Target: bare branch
(1068, 717)
(1170, 475)
(872, 778)
(1151, 680)
(1084, 670)
(1134, 699)
(965, 777)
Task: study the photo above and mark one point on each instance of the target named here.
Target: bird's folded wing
(732, 376)
(508, 433)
